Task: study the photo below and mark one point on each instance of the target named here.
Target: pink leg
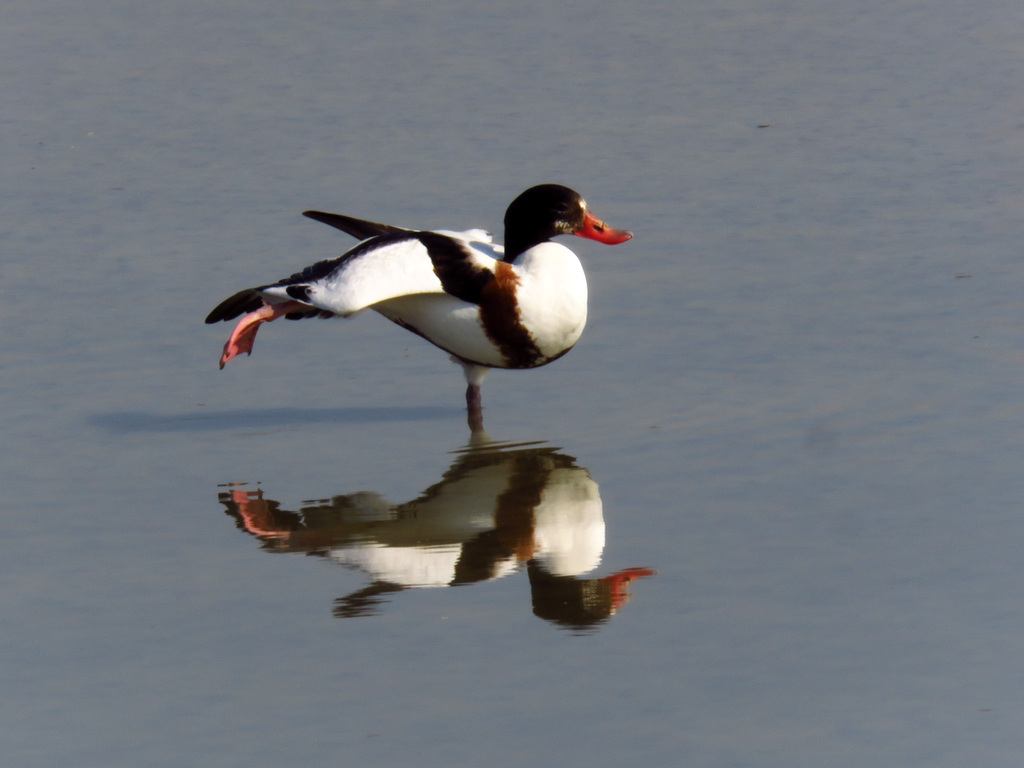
(244, 334)
(474, 399)
(474, 408)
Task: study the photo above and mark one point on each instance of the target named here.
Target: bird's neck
(517, 244)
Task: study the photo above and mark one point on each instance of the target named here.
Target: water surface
(797, 400)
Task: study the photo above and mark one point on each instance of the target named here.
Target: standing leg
(474, 399)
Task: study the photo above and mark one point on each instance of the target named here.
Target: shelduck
(518, 306)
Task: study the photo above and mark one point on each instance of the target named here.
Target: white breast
(552, 296)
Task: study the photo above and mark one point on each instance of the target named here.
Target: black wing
(360, 229)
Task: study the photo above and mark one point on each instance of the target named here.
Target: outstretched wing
(402, 263)
(360, 229)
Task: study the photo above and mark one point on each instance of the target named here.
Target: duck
(517, 306)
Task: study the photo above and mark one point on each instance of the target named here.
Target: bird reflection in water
(497, 508)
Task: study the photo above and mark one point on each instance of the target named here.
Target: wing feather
(361, 229)
(386, 266)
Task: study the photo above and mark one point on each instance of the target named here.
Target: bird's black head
(542, 212)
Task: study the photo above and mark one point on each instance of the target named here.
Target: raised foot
(244, 335)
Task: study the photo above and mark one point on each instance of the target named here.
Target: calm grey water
(798, 401)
